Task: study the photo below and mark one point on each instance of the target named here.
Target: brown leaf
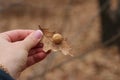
(64, 47)
(46, 32)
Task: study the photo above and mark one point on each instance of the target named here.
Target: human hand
(20, 49)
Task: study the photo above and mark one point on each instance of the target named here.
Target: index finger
(16, 35)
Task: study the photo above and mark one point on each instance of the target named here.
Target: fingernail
(38, 34)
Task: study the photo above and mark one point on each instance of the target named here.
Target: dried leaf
(46, 32)
(64, 47)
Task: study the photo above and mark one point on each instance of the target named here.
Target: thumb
(32, 40)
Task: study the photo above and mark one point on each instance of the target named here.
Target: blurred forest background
(92, 27)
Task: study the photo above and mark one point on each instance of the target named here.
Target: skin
(19, 49)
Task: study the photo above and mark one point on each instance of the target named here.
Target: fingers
(35, 51)
(37, 55)
(32, 40)
(36, 58)
(30, 37)
(16, 35)
(39, 45)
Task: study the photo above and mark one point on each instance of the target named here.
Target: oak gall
(57, 38)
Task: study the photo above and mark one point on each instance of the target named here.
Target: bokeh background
(92, 27)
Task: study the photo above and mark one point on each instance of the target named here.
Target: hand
(20, 49)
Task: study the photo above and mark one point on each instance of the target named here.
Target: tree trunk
(110, 27)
